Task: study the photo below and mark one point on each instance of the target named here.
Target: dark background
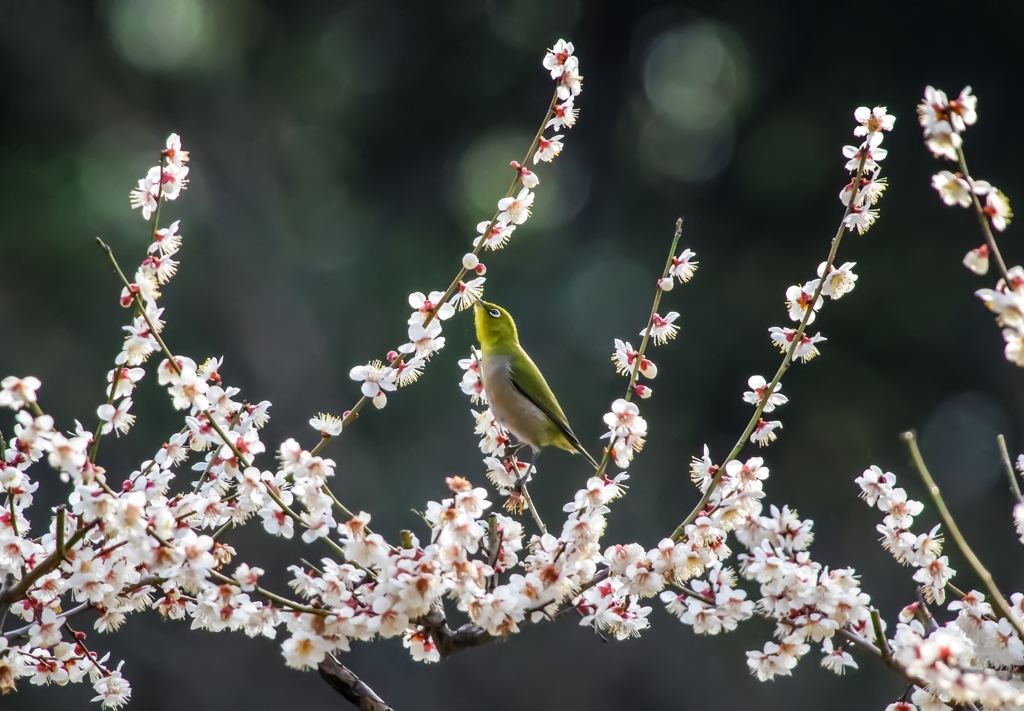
(342, 154)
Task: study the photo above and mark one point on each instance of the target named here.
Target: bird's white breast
(513, 411)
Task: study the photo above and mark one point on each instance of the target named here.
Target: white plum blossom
(547, 150)
(557, 57)
(764, 432)
(16, 393)
(377, 379)
(839, 282)
(952, 188)
(997, 207)
(116, 418)
(873, 120)
(327, 425)
(758, 387)
(424, 305)
(661, 329)
(801, 299)
(516, 210)
(683, 266)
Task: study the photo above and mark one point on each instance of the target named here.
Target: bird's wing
(544, 399)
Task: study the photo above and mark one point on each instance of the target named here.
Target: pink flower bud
(392, 355)
(908, 612)
(977, 260)
(647, 368)
(480, 269)
(643, 391)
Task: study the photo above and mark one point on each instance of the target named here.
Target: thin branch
(354, 412)
(986, 578)
(50, 563)
(283, 601)
(609, 450)
(982, 217)
(341, 679)
(533, 509)
(449, 641)
(787, 360)
(880, 640)
(1004, 454)
(94, 448)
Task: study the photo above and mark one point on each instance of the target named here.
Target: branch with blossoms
(973, 660)
(130, 541)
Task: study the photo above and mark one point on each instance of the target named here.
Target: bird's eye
(495, 313)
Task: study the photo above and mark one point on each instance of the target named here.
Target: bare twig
(1004, 454)
(880, 640)
(999, 601)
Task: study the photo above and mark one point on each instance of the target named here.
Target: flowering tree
(126, 542)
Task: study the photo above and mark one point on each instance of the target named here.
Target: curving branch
(341, 679)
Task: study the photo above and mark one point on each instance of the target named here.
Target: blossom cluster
(960, 662)
(808, 602)
(143, 541)
(944, 121)
(803, 301)
(921, 551)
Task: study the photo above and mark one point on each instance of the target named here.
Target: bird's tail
(586, 455)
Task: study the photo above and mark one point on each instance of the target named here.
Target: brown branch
(449, 641)
(341, 679)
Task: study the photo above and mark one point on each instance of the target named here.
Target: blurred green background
(342, 153)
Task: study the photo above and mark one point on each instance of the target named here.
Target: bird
(520, 399)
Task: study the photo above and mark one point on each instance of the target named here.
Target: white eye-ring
(495, 313)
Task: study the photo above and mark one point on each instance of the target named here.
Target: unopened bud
(392, 356)
(665, 284)
(380, 400)
(648, 369)
(480, 269)
(908, 612)
(469, 261)
(977, 260)
(643, 391)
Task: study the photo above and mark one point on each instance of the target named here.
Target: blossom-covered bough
(127, 542)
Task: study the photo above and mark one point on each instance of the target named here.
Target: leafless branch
(341, 679)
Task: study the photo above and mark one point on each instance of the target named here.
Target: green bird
(520, 398)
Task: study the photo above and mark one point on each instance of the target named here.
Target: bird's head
(495, 328)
